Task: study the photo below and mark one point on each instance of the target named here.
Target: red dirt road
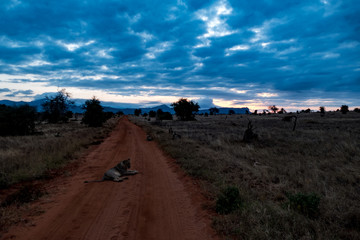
(158, 203)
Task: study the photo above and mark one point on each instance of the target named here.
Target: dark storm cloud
(308, 49)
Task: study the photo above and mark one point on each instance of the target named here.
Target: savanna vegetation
(281, 184)
(36, 146)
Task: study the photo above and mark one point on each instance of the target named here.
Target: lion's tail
(94, 181)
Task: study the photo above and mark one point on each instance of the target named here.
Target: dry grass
(321, 157)
(27, 158)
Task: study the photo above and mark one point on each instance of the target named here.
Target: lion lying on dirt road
(117, 173)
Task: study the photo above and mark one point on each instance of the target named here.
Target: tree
(18, 120)
(55, 108)
(322, 111)
(273, 108)
(94, 115)
(152, 113)
(213, 111)
(231, 112)
(137, 112)
(344, 109)
(282, 110)
(160, 115)
(185, 109)
(306, 111)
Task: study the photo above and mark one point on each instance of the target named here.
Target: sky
(294, 54)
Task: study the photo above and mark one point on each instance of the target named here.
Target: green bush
(228, 201)
(306, 204)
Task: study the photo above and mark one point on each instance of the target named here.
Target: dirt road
(158, 203)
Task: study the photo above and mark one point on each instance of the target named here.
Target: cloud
(2, 90)
(198, 49)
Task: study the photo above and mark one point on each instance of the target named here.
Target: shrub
(344, 109)
(94, 115)
(213, 111)
(152, 114)
(160, 115)
(19, 120)
(137, 112)
(228, 201)
(306, 204)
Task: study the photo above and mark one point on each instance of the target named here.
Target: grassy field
(302, 184)
(24, 159)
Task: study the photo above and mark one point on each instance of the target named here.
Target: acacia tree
(56, 107)
(94, 115)
(185, 109)
(273, 108)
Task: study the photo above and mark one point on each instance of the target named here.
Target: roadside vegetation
(285, 183)
(28, 160)
(35, 146)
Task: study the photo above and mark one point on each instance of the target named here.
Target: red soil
(158, 203)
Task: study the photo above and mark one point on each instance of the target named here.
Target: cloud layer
(228, 52)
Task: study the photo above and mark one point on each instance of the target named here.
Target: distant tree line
(20, 120)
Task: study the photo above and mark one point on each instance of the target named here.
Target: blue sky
(232, 53)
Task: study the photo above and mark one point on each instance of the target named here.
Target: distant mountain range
(77, 107)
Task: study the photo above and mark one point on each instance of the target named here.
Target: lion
(117, 173)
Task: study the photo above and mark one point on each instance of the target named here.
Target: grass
(24, 159)
(301, 184)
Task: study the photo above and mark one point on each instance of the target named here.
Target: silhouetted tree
(137, 112)
(282, 110)
(322, 111)
(160, 115)
(306, 111)
(152, 113)
(213, 110)
(231, 112)
(273, 108)
(18, 120)
(344, 109)
(55, 108)
(185, 109)
(94, 115)
(108, 115)
(357, 110)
